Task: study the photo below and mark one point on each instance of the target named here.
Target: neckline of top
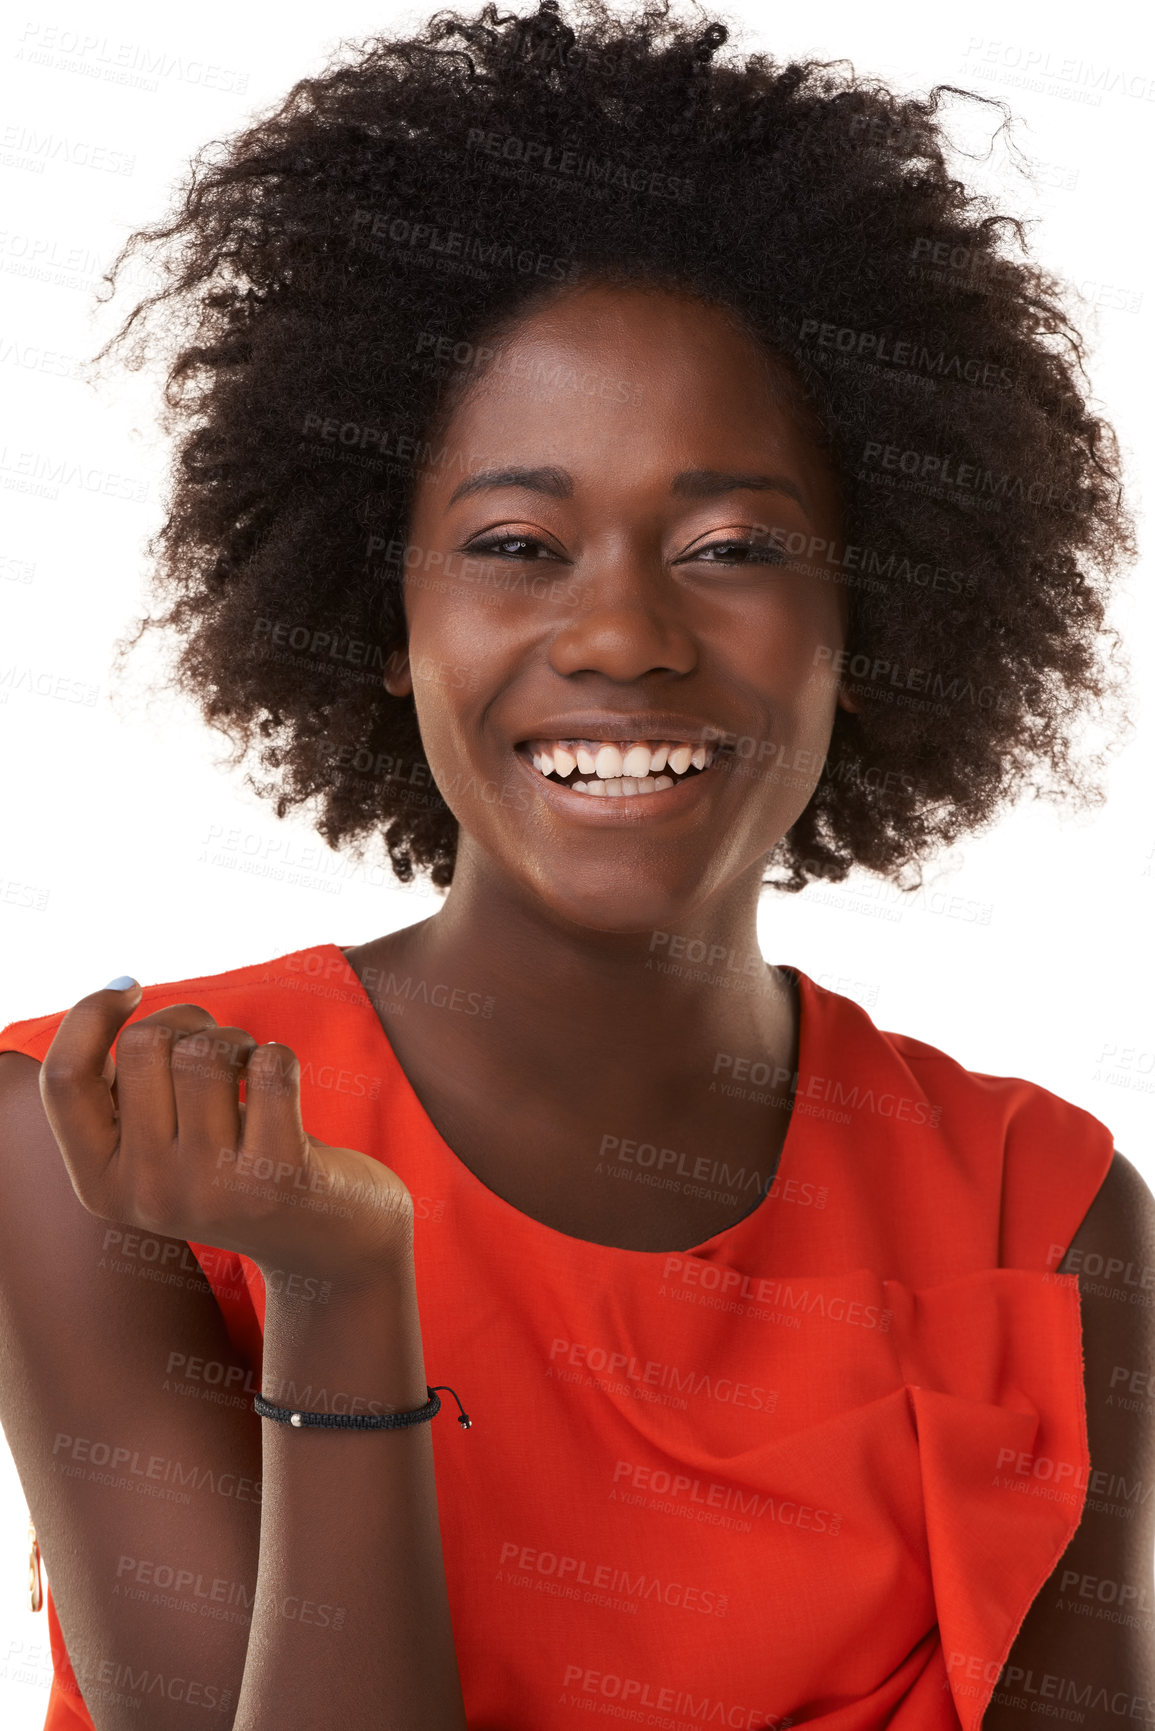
(807, 1016)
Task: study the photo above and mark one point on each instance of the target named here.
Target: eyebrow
(689, 484)
(557, 483)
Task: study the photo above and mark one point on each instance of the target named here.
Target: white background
(1028, 955)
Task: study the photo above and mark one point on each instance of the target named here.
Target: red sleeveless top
(815, 1468)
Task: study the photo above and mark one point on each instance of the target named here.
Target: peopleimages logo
(731, 1282)
(581, 1684)
(883, 349)
(652, 1483)
(831, 1090)
(546, 157)
(948, 471)
(578, 1355)
(607, 1578)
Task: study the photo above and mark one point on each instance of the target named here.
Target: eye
(502, 546)
(738, 550)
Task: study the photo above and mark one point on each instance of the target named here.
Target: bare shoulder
(19, 1078)
(1121, 1218)
(1089, 1629)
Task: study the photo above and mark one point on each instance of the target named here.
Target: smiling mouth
(620, 768)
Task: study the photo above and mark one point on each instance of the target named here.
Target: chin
(622, 902)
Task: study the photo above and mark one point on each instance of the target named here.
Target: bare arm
(350, 1522)
(1088, 1641)
(152, 1564)
(350, 1621)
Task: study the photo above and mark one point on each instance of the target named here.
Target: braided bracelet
(360, 1420)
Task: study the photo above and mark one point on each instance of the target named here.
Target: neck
(664, 998)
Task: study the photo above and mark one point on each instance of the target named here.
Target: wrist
(355, 1348)
(358, 1276)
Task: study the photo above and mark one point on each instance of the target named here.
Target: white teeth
(623, 786)
(621, 769)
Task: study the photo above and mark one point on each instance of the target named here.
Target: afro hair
(330, 274)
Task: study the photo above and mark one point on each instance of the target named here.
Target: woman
(591, 477)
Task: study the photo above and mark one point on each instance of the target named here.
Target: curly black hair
(333, 275)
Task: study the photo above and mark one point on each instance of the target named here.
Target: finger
(143, 1083)
(74, 1084)
(207, 1068)
(272, 1116)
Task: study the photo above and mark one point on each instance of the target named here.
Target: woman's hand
(161, 1139)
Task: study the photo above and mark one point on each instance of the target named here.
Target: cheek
(440, 679)
(441, 692)
(816, 697)
(793, 652)
(458, 658)
(446, 653)
(466, 610)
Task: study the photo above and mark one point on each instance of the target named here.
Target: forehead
(624, 380)
(644, 321)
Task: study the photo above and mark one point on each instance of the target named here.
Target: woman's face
(595, 560)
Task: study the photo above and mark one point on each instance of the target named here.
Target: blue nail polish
(120, 984)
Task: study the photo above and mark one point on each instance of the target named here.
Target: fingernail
(120, 984)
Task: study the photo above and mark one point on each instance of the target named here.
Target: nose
(626, 625)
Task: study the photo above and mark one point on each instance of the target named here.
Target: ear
(398, 679)
(845, 701)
